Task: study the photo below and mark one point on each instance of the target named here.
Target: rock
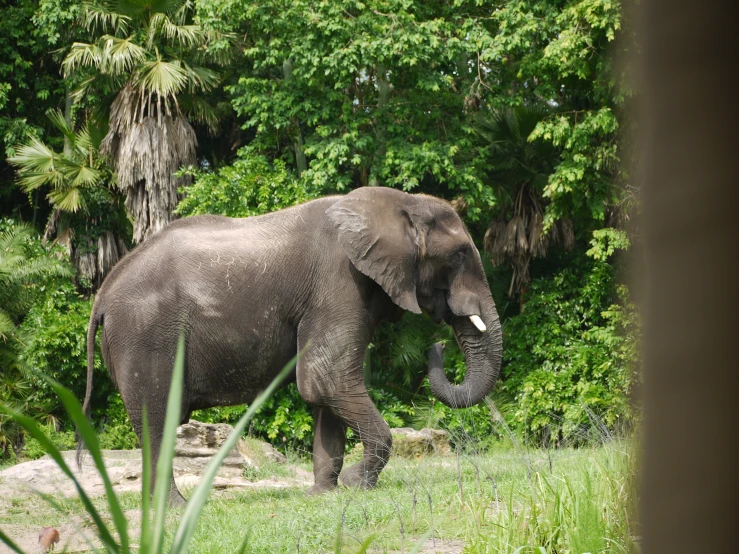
(411, 443)
(197, 442)
(272, 454)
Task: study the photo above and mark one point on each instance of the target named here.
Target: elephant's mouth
(438, 309)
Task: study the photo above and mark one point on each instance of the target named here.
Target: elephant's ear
(377, 232)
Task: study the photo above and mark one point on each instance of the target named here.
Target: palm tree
(521, 169)
(18, 269)
(68, 173)
(76, 179)
(151, 56)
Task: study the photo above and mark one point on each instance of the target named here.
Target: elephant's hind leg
(328, 450)
(133, 404)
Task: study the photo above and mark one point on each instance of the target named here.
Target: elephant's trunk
(482, 352)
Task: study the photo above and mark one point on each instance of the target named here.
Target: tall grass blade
(145, 482)
(244, 544)
(90, 438)
(365, 545)
(197, 501)
(166, 451)
(9, 543)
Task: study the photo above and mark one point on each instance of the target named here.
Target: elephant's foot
(359, 477)
(320, 488)
(176, 500)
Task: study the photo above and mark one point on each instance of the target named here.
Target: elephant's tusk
(478, 323)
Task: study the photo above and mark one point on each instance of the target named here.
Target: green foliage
(63, 440)
(248, 186)
(365, 93)
(59, 348)
(68, 173)
(568, 355)
(116, 431)
(24, 265)
(606, 242)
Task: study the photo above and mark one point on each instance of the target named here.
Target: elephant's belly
(233, 367)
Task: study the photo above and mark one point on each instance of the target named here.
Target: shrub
(59, 348)
(24, 265)
(568, 355)
(59, 320)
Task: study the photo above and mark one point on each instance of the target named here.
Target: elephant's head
(419, 251)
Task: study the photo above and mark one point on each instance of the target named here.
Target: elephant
(317, 278)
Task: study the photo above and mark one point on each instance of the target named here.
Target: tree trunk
(383, 96)
(300, 161)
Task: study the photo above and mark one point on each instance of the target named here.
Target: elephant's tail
(95, 319)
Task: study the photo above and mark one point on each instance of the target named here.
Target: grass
(506, 500)
(580, 506)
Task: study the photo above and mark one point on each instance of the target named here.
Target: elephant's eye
(460, 255)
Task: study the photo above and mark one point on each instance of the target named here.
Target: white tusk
(478, 323)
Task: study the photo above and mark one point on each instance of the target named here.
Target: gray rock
(196, 443)
(412, 443)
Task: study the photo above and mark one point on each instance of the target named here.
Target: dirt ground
(24, 511)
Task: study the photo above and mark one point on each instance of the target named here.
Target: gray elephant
(250, 293)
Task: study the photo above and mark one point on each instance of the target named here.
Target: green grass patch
(506, 500)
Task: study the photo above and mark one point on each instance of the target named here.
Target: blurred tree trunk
(690, 476)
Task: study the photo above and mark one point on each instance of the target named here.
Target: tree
(86, 218)
(149, 56)
(30, 85)
(519, 169)
(357, 94)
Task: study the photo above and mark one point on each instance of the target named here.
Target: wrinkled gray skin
(250, 293)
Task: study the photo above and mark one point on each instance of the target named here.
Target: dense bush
(25, 265)
(59, 320)
(568, 356)
(249, 186)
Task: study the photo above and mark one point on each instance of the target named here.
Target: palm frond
(198, 109)
(7, 326)
(120, 55)
(83, 141)
(102, 16)
(14, 238)
(82, 175)
(187, 36)
(200, 78)
(57, 119)
(69, 200)
(36, 268)
(165, 79)
(34, 156)
(82, 54)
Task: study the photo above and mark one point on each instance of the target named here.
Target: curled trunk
(483, 353)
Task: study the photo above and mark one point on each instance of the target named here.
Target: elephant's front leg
(359, 412)
(330, 375)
